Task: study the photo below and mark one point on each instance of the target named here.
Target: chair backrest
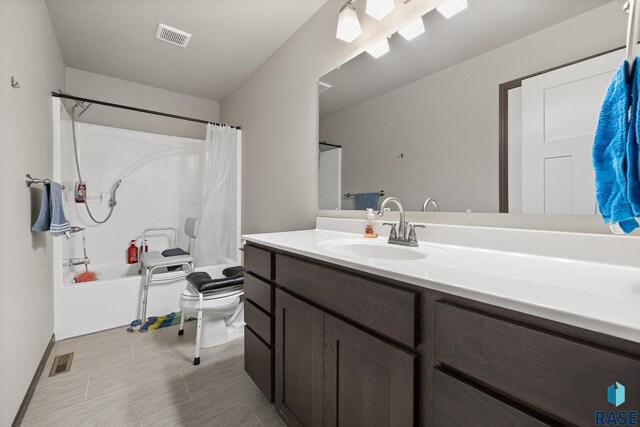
(191, 230)
(191, 227)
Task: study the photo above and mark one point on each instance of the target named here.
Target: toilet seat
(190, 301)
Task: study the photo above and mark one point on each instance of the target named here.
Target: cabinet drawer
(558, 376)
(259, 262)
(259, 292)
(258, 321)
(459, 404)
(258, 362)
(382, 308)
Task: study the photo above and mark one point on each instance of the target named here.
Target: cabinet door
(367, 382)
(299, 340)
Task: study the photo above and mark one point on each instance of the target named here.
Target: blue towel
(366, 201)
(609, 154)
(51, 217)
(633, 149)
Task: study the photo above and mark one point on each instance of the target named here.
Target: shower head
(112, 201)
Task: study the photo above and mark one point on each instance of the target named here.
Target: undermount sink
(377, 250)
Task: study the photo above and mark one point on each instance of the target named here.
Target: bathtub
(114, 299)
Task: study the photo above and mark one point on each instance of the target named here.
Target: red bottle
(132, 253)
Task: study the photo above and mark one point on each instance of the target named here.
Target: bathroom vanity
(338, 333)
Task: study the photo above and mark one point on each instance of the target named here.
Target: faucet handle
(392, 234)
(412, 232)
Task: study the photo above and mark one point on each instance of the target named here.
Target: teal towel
(610, 153)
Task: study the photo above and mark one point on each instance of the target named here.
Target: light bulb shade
(452, 7)
(412, 30)
(379, 49)
(348, 24)
(379, 8)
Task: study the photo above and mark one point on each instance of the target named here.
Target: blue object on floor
(610, 153)
(364, 201)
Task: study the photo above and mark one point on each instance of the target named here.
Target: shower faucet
(76, 261)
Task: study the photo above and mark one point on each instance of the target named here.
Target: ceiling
(484, 26)
(231, 38)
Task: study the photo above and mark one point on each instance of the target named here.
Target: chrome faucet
(433, 202)
(75, 261)
(402, 229)
(400, 237)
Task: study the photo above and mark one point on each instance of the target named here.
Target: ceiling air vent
(322, 86)
(172, 35)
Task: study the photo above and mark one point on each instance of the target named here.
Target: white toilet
(221, 319)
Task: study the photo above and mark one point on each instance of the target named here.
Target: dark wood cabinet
(459, 404)
(556, 375)
(258, 362)
(331, 373)
(351, 348)
(367, 381)
(384, 309)
(260, 262)
(299, 360)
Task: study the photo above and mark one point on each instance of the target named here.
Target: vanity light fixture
(379, 49)
(378, 9)
(412, 30)
(452, 7)
(348, 24)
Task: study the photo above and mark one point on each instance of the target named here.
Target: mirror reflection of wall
(422, 120)
(329, 176)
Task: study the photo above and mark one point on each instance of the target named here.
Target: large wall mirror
(480, 118)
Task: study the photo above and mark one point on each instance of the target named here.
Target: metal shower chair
(155, 265)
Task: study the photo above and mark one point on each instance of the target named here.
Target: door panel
(560, 112)
(367, 382)
(299, 340)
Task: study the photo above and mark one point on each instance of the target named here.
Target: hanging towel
(633, 147)
(364, 201)
(610, 152)
(51, 217)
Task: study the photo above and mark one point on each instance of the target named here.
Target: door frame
(503, 126)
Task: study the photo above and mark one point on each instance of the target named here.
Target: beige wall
(277, 107)
(446, 125)
(28, 50)
(104, 88)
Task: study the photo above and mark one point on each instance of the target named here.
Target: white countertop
(595, 296)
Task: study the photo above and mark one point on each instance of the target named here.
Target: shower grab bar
(175, 232)
(30, 180)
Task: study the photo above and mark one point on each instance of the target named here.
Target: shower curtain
(218, 193)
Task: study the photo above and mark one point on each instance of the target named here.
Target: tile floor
(122, 379)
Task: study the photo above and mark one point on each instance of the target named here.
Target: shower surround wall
(161, 186)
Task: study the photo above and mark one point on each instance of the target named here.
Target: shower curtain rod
(140, 110)
(329, 145)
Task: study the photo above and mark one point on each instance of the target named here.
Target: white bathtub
(114, 299)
